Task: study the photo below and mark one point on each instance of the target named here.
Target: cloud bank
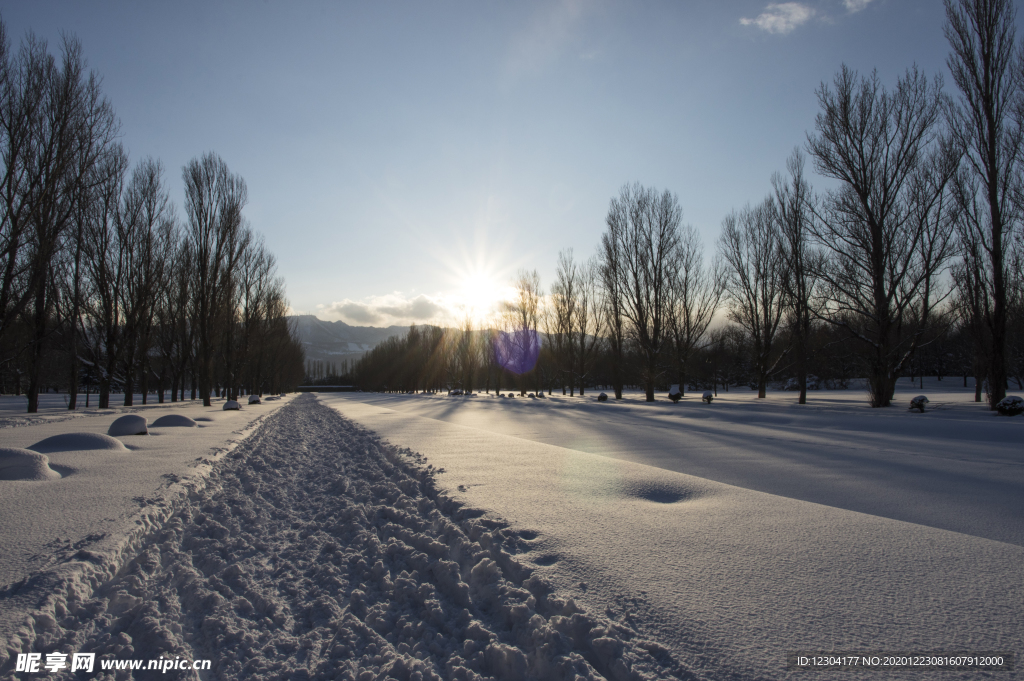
(783, 17)
(393, 308)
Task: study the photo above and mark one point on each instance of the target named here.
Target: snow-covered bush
(707, 397)
(1011, 405)
(254, 399)
(129, 424)
(232, 405)
(174, 421)
(919, 403)
(22, 464)
(74, 442)
(674, 393)
(602, 397)
(455, 392)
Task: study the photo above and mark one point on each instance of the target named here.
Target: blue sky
(404, 159)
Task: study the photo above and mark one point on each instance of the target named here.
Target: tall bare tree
(560, 318)
(108, 267)
(145, 229)
(612, 301)
(752, 246)
(214, 198)
(587, 323)
(522, 316)
(885, 229)
(643, 234)
(54, 124)
(696, 290)
(794, 211)
(986, 124)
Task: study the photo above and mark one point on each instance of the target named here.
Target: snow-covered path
(730, 579)
(315, 551)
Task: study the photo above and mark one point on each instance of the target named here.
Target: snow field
(727, 579)
(316, 551)
(63, 537)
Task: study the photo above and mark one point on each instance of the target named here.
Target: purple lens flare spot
(517, 350)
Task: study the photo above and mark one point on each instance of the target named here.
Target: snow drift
(74, 442)
(23, 464)
(175, 421)
(129, 424)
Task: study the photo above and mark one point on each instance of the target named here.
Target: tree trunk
(36, 351)
(104, 399)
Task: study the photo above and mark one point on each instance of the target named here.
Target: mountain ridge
(335, 341)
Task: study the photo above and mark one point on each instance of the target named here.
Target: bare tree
(696, 291)
(611, 302)
(987, 126)
(520, 342)
(145, 228)
(794, 211)
(468, 356)
(885, 229)
(752, 247)
(642, 234)
(54, 124)
(587, 323)
(231, 357)
(560, 318)
(108, 273)
(213, 205)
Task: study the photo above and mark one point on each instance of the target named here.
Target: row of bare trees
(101, 282)
(921, 235)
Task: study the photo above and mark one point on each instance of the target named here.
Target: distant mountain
(335, 341)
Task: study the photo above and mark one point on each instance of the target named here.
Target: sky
(405, 159)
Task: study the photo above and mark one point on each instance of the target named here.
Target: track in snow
(318, 551)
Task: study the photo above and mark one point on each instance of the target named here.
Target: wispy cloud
(783, 17)
(855, 5)
(545, 38)
(393, 308)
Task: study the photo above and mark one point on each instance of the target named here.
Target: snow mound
(254, 399)
(231, 405)
(1011, 405)
(76, 442)
(22, 464)
(174, 420)
(129, 424)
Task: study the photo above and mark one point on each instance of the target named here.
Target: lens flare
(517, 350)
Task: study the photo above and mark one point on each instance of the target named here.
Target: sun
(479, 294)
